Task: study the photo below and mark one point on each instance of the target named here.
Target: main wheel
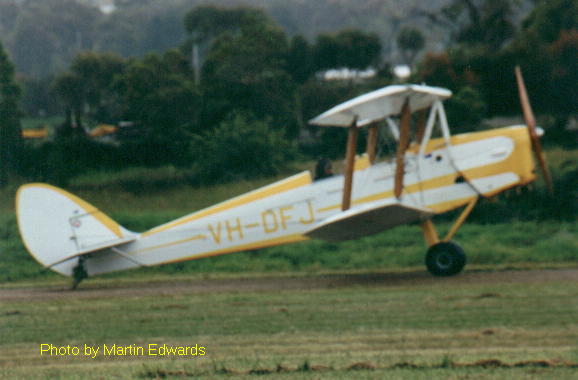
(445, 259)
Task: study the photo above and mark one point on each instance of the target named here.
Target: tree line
(233, 99)
(248, 88)
(479, 64)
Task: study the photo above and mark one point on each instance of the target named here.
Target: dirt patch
(484, 363)
(279, 283)
(488, 295)
(362, 366)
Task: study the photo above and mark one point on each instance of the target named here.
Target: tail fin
(57, 226)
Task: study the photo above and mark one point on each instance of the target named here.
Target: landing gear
(78, 273)
(445, 259)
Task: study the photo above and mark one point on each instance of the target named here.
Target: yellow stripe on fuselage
(246, 247)
(170, 244)
(290, 183)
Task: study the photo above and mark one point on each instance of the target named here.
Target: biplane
(425, 176)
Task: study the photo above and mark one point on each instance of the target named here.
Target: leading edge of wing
(367, 220)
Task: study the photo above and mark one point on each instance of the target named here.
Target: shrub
(465, 109)
(240, 147)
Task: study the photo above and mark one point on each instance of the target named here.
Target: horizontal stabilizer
(93, 248)
(367, 220)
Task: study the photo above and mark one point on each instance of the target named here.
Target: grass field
(374, 325)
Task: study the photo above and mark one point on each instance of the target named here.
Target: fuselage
(443, 178)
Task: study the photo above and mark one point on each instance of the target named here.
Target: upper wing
(367, 220)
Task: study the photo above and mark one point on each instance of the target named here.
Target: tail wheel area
(79, 273)
(445, 259)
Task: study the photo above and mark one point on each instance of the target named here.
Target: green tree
(241, 147)
(436, 69)
(300, 59)
(159, 95)
(411, 42)
(360, 49)
(326, 52)
(246, 70)
(546, 48)
(547, 20)
(98, 73)
(71, 90)
(10, 133)
(89, 89)
(38, 97)
(349, 48)
(490, 23)
(476, 22)
(564, 55)
(465, 110)
(205, 23)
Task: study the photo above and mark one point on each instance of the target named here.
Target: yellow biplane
(427, 176)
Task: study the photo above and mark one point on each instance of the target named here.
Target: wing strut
(349, 164)
(421, 123)
(372, 133)
(401, 148)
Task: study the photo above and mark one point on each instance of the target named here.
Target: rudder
(57, 226)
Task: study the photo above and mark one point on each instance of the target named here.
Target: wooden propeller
(530, 121)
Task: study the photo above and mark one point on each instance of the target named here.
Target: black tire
(445, 259)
